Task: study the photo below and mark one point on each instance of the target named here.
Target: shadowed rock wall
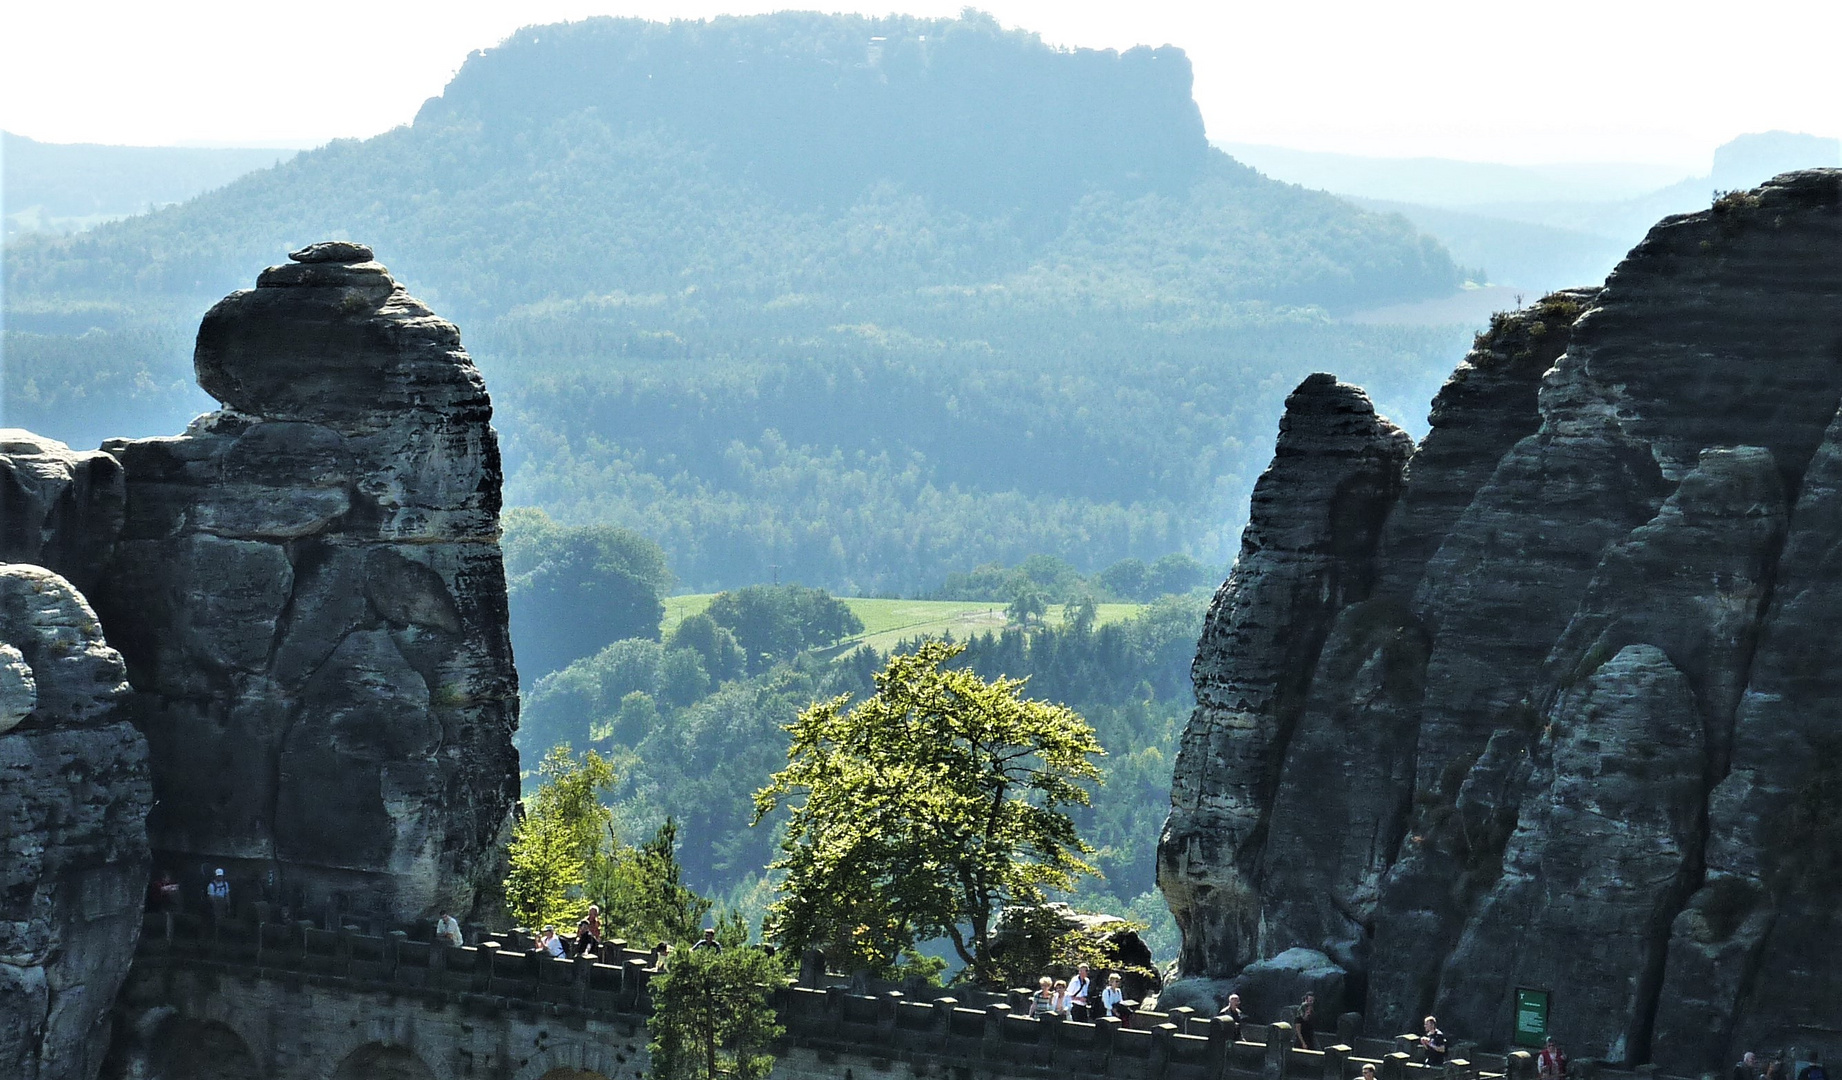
(1581, 728)
(74, 796)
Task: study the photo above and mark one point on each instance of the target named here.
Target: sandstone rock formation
(307, 589)
(74, 796)
(1569, 716)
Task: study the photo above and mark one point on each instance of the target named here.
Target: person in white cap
(217, 890)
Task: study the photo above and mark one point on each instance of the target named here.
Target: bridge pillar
(1519, 1065)
(1336, 1061)
(1278, 1051)
(1161, 1038)
(1394, 1066)
(1221, 1045)
(994, 1031)
(1106, 1037)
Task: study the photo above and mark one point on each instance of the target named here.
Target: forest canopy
(861, 301)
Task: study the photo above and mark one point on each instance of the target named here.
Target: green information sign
(1531, 1016)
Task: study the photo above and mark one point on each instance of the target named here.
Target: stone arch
(578, 1061)
(383, 1061)
(185, 1048)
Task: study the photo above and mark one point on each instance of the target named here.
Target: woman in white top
(1112, 997)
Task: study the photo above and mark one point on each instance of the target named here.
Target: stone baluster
(1052, 1039)
(1394, 1066)
(886, 1007)
(811, 969)
(1349, 1026)
(1336, 1061)
(1221, 1047)
(1161, 1038)
(393, 947)
(343, 949)
(438, 954)
(1459, 1068)
(1106, 1037)
(1278, 1051)
(584, 971)
(635, 981)
(994, 1031)
(1519, 1065)
(943, 1019)
(1181, 1016)
(482, 966)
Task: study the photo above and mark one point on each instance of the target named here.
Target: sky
(1481, 80)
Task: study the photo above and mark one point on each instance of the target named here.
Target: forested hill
(868, 300)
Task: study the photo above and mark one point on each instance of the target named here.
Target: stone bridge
(248, 1000)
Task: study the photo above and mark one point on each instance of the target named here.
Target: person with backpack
(1113, 999)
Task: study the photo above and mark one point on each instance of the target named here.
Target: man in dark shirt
(1306, 1016)
(1231, 1015)
(1434, 1043)
(1747, 1068)
(708, 941)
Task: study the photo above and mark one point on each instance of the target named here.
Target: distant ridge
(817, 107)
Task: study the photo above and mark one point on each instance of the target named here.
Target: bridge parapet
(829, 1029)
(589, 985)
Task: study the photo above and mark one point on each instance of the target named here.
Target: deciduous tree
(926, 809)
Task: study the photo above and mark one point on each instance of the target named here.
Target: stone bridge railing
(826, 1026)
(1180, 1045)
(507, 976)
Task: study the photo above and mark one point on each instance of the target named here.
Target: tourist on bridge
(1747, 1068)
(708, 941)
(1304, 1027)
(1043, 1003)
(217, 891)
(588, 931)
(552, 944)
(1113, 998)
(1551, 1063)
(447, 929)
(1232, 1016)
(1434, 1044)
(1078, 989)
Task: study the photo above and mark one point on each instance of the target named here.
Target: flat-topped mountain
(736, 280)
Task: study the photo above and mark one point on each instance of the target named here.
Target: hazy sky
(1616, 80)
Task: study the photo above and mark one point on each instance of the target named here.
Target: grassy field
(889, 622)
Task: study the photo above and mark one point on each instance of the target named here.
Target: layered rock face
(74, 796)
(306, 586)
(1572, 720)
